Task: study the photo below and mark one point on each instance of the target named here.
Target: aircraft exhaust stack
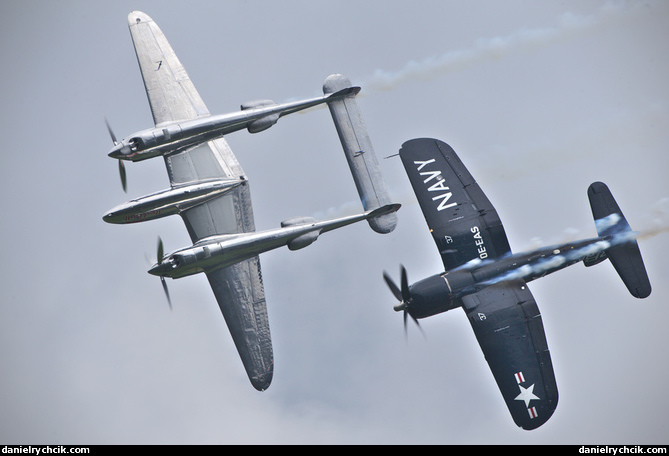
(359, 152)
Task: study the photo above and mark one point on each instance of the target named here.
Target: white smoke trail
(343, 210)
(546, 265)
(615, 227)
(568, 26)
(658, 220)
(607, 222)
(654, 223)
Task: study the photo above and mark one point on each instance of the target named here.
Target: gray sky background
(539, 99)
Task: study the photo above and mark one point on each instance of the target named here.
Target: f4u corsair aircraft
(490, 283)
(210, 191)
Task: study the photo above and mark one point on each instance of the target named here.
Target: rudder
(624, 252)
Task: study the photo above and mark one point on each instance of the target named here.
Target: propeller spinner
(403, 295)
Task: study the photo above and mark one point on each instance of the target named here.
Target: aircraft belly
(218, 216)
(228, 214)
(209, 160)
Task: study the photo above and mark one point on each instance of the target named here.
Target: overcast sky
(539, 99)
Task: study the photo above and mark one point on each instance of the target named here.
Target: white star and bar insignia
(526, 394)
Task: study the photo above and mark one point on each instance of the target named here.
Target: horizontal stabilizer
(312, 228)
(624, 252)
(370, 216)
(359, 151)
(352, 91)
(384, 210)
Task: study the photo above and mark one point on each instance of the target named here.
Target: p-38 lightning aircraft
(490, 283)
(210, 191)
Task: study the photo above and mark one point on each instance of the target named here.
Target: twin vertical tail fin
(624, 252)
(359, 151)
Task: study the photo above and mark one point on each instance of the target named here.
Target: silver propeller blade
(167, 292)
(111, 132)
(124, 180)
(121, 165)
(160, 256)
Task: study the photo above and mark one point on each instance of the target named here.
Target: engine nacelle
(439, 293)
(430, 296)
(263, 123)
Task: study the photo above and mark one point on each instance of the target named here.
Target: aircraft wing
(238, 288)
(171, 93)
(241, 297)
(464, 224)
(509, 329)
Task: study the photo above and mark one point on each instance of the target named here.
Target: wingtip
(262, 382)
(135, 17)
(335, 83)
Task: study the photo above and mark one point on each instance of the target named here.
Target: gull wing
(238, 288)
(464, 224)
(509, 329)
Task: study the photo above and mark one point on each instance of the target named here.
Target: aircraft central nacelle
(170, 201)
